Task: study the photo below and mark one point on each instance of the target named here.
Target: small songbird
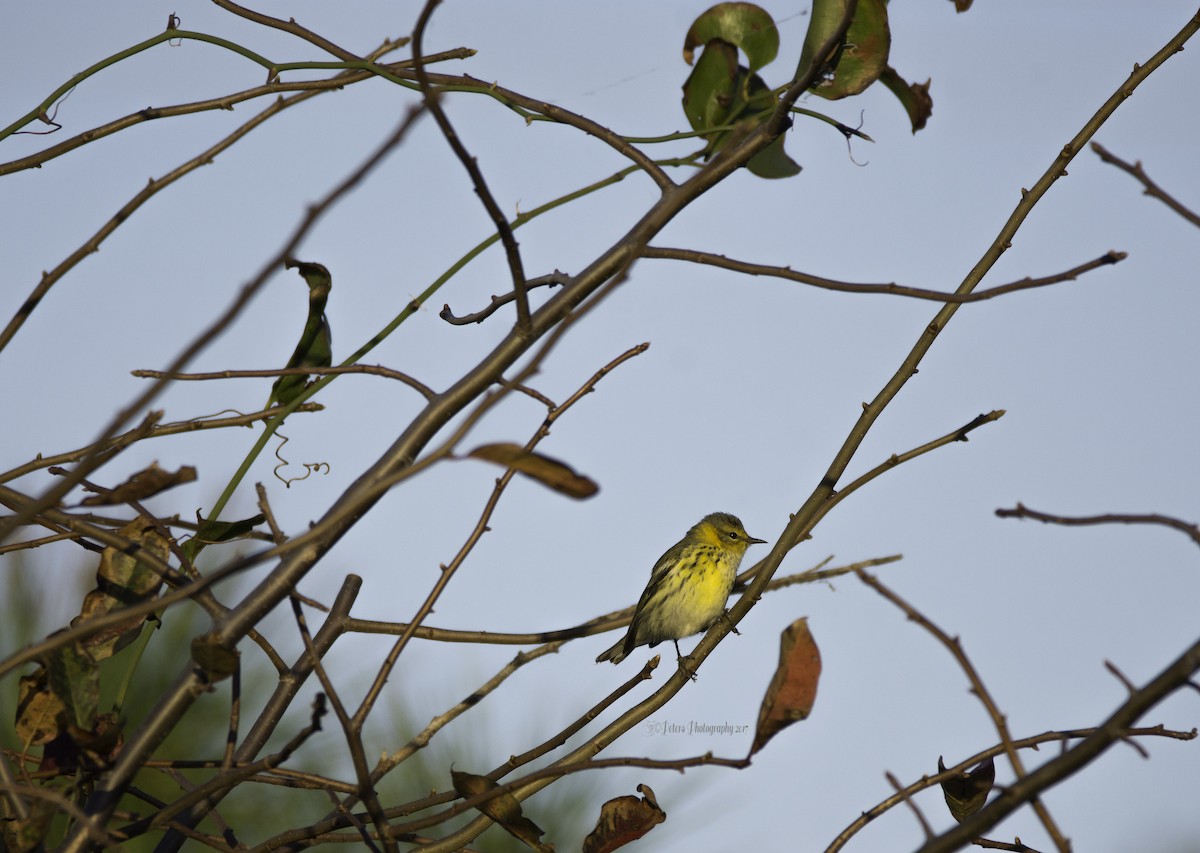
(688, 587)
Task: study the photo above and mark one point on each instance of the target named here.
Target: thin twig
(225, 102)
(516, 265)
(554, 279)
(148, 430)
(893, 289)
(370, 369)
(981, 692)
(912, 805)
(351, 732)
(1151, 189)
(1192, 531)
(1032, 742)
(1026, 790)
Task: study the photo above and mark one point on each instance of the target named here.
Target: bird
(689, 586)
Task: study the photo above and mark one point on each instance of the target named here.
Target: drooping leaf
(504, 809)
(773, 162)
(708, 91)
(914, 97)
(863, 54)
(743, 25)
(623, 820)
(211, 532)
(41, 716)
(315, 347)
(217, 660)
(793, 688)
(74, 677)
(967, 792)
(144, 484)
(549, 472)
(121, 580)
(28, 834)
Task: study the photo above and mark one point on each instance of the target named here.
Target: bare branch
(369, 369)
(554, 279)
(980, 690)
(515, 265)
(148, 429)
(1151, 189)
(999, 749)
(893, 289)
(1192, 531)
(1026, 790)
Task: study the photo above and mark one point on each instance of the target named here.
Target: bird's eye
(733, 535)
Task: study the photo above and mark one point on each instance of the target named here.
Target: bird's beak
(754, 541)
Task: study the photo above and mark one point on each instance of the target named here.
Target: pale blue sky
(747, 390)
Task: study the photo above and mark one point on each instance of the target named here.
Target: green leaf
(863, 54)
(216, 660)
(743, 25)
(773, 162)
(315, 347)
(549, 472)
(709, 89)
(75, 679)
(211, 532)
(913, 96)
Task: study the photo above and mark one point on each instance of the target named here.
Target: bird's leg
(732, 627)
(683, 662)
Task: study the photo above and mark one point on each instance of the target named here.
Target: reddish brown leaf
(549, 472)
(793, 688)
(623, 820)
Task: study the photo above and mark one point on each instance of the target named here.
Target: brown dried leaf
(793, 688)
(24, 836)
(505, 809)
(41, 716)
(914, 97)
(549, 472)
(143, 484)
(623, 820)
(122, 580)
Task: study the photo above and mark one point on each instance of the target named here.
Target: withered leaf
(504, 808)
(793, 687)
(624, 819)
(41, 716)
(121, 580)
(142, 485)
(549, 472)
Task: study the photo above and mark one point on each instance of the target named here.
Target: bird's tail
(616, 654)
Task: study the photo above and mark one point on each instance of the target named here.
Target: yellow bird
(689, 586)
